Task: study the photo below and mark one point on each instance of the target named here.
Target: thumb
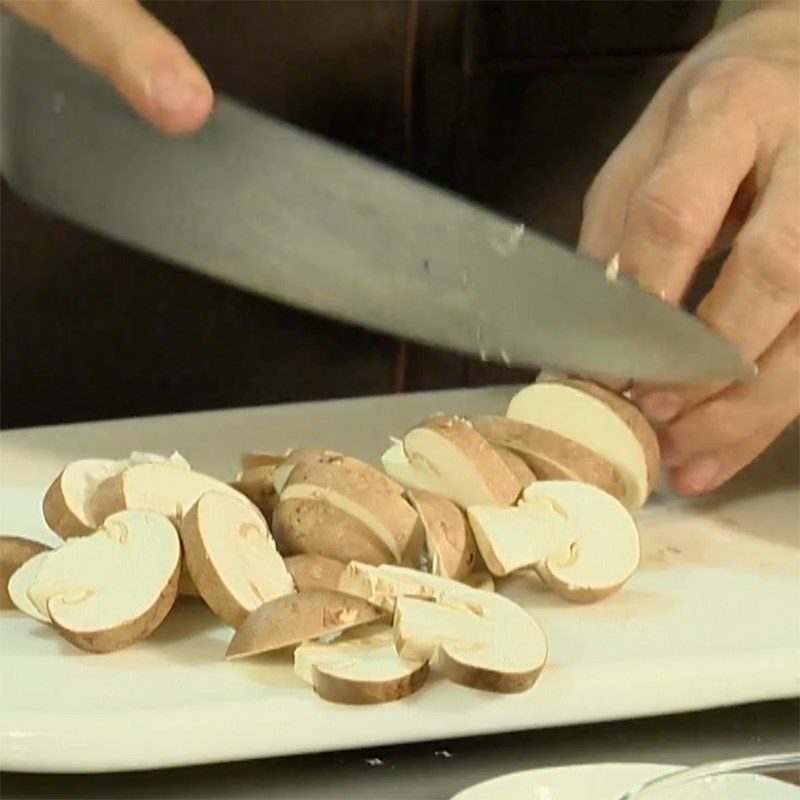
(146, 63)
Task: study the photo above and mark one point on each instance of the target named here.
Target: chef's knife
(258, 203)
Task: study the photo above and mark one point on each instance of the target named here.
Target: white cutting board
(711, 618)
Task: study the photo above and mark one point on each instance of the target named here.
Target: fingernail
(660, 406)
(701, 476)
(173, 92)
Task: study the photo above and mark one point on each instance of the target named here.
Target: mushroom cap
(231, 556)
(294, 618)
(313, 571)
(257, 486)
(20, 582)
(313, 525)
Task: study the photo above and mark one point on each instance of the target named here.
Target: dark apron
(514, 104)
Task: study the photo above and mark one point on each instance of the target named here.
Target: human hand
(146, 63)
(717, 151)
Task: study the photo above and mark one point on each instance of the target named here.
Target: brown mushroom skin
(487, 680)
(315, 526)
(361, 693)
(108, 641)
(57, 513)
(14, 552)
(256, 485)
(313, 571)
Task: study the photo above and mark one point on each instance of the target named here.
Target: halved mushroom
(313, 571)
(551, 455)
(447, 456)
(605, 552)
(161, 488)
(69, 505)
(581, 541)
(231, 556)
(112, 588)
(495, 646)
(21, 581)
(479, 580)
(295, 618)
(352, 487)
(601, 421)
(14, 552)
(476, 638)
(449, 544)
(315, 526)
(256, 485)
(361, 667)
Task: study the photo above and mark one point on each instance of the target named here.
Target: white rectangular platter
(711, 618)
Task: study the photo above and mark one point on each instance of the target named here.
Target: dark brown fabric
(514, 104)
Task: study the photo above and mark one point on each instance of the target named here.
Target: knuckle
(669, 216)
(771, 263)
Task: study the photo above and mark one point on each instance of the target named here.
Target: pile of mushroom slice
(372, 578)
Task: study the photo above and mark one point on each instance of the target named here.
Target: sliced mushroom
(522, 472)
(161, 488)
(605, 550)
(511, 539)
(112, 588)
(256, 485)
(14, 552)
(602, 422)
(361, 667)
(551, 455)
(479, 580)
(21, 581)
(315, 526)
(295, 618)
(313, 571)
(447, 456)
(354, 489)
(231, 556)
(473, 637)
(69, 505)
(496, 646)
(448, 540)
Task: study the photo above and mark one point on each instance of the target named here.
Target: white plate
(710, 619)
(611, 781)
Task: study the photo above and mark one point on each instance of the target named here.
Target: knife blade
(253, 201)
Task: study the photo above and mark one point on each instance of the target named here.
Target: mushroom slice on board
(494, 644)
(315, 526)
(69, 504)
(448, 540)
(522, 472)
(447, 456)
(605, 548)
(114, 587)
(161, 488)
(14, 552)
(19, 584)
(360, 667)
(295, 618)
(551, 455)
(231, 556)
(599, 420)
(356, 491)
(313, 571)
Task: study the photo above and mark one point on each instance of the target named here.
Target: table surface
(426, 770)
